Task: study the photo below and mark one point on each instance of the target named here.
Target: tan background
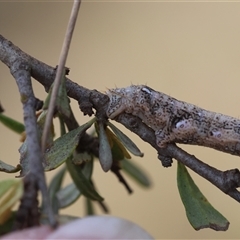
(187, 50)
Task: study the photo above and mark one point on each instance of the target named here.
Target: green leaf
(23, 150)
(68, 195)
(54, 187)
(10, 192)
(4, 167)
(89, 207)
(62, 125)
(135, 172)
(119, 152)
(105, 154)
(200, 213)
(61, 219)
(71, 193)
(58, 151)
(7, 226)
(62, 100)
(83, 184)
(12, 124)
(64, 146)
(127, 142)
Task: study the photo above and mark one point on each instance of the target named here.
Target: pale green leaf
(10, 192)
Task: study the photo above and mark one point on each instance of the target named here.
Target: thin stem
(60, 69)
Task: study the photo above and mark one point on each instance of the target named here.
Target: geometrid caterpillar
(176, 121)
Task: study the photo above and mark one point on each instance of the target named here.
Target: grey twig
(21, 72)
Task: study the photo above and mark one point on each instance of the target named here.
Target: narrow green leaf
(47, 100)
(105, 154)
(4, 167)
(200, 213)
(12, 124)
(62, 102)
(62, 126)
(89, 207)
(54, 187)
(64, 146)
(135, 172)
(40, 124)
(69, 194)
(127, 142)
(82, 183)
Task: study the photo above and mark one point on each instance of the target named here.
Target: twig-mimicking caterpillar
(176, 121)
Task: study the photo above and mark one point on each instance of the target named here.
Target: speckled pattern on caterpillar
(176, 121)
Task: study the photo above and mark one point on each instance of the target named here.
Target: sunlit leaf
(119, 152)
(105, 154)
(200, 213)
(127, 142)
(10, 192)
(64, 146)
(135, 172)
(12, 124)
(4, 167)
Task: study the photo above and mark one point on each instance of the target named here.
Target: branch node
(165, 160)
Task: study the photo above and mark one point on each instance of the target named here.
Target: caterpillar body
(176, 121)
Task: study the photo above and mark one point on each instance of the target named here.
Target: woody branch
(226, 181)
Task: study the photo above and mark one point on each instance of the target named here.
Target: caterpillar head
(116, 105)
(121, 100)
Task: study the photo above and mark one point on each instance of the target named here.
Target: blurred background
(189, 50)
